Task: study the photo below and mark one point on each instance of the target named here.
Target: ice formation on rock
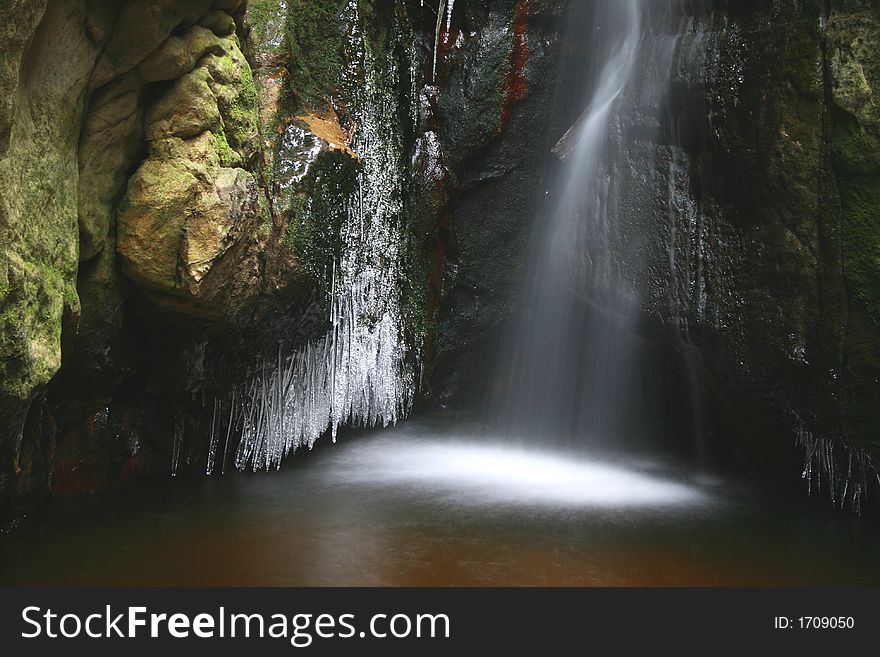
(361, 373)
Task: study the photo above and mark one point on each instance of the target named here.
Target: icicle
(232, 420)
(176, 446)
(215, 439)
(846, 476)
(449, 15)
(359, 372)
(437, 31)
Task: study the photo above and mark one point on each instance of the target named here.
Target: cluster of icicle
(842, 470)
(359, 373)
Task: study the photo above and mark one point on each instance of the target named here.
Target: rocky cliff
(180, 187)
(755, 216)
(136, 224)
(782, 175)
(179, 178)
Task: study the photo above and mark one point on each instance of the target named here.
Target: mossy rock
(318, 211)
(266, 20)
(181, 213)
(313, 40)
(855, 74)
(30, 326)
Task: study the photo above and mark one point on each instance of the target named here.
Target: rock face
(132, 204)
(190, 202)
(171, 210)
(38, 197)
(172, 200)
(759, 218)
(854, 73)
(482, 164)
(42, 109)
(783, 174)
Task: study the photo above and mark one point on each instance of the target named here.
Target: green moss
(228, 157)
(856, 152)
(265, 215)
(4, 276)
(297, 207)
(30, 328)
(266, 19)
(235, 97)
(861, 240)
(415, 298)
(243, 110)
(38, 267)
(259, 13)
(316, 54)
(313, 38)
(318, 214)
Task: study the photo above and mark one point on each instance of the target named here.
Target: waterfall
(574, 351)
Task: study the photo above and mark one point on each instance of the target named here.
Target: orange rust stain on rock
(327, 127)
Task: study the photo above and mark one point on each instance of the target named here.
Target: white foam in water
(479, 474)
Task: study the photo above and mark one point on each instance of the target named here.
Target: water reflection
(419, 505)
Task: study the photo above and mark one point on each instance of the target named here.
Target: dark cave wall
(786, 205)
(154, 242)
(768, 142)
(494, 123)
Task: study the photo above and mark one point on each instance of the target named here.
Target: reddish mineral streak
(515, 89)
(447, 41)
(515, 83)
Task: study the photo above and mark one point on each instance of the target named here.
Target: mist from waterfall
(570, 365)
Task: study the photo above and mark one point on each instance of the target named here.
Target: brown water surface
(431, 504)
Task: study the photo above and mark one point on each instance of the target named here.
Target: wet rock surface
(135, 227)
(790, 324)
(173, 200)
(755, 218)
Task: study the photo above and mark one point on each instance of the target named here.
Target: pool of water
(434, 503)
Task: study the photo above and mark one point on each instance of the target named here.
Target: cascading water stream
(574, 352)
(542, 379)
